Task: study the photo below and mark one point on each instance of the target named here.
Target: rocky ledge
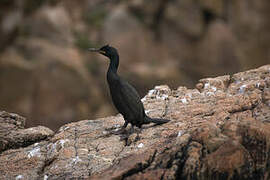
(220, 130)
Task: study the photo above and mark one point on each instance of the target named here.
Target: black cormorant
(124, 96)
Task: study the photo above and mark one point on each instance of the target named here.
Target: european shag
(124, 96)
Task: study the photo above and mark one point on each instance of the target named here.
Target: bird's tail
(155, 120)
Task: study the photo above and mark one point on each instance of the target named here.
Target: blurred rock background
(47, 75)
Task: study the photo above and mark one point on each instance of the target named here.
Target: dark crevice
(88, 163)
(264, 100)
(182, 161)
(162, 176)
(255, 146)
(75, 147)
(243, 109)
(208, 16)
(166, 108)
(47, 162)
(208, 114)
(117, 155)
(23, 144)
(140, 167)
(177, 157)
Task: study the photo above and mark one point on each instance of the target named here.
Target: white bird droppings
(189, 95)
(214, 88)
(140, 145)
(151, 92)
(46, 177)
(143, 99)
(76, 159)
(206, 85)
(34, 152)
(62, 142)
(63, 128)
(184, 100)
(19, 177)
(242, 88)
(180, 133)
(209, 94)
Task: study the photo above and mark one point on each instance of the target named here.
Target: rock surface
(43, 50)
(221, 130)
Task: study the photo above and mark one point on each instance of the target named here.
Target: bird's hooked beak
(97, 50)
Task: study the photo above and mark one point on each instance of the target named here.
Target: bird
(124, 96)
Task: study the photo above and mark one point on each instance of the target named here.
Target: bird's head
(106, 50)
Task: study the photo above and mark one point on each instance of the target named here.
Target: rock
(13, 121)
(32, 159)
(16, 73)
(220, 131)
(13, 135)
(11, 21)
(216, 7)
(209, 36)
(159, 41)
(12, 17)
(217, 49)
(43, 65)
(120, 28)
(51, 23)
(247, 20)
(44, 72)
(185, 17)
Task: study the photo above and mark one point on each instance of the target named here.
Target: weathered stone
(159, 41)
(13, 135)
(219, 132)
(23, 163)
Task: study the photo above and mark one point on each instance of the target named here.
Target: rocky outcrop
(13, 134)
(43, 43)
(220, 130)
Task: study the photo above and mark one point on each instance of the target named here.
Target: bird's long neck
(114, 62)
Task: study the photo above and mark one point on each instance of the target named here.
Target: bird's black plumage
(124, 96)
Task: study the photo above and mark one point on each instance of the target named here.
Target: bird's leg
(122, 130)
(132, 129)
